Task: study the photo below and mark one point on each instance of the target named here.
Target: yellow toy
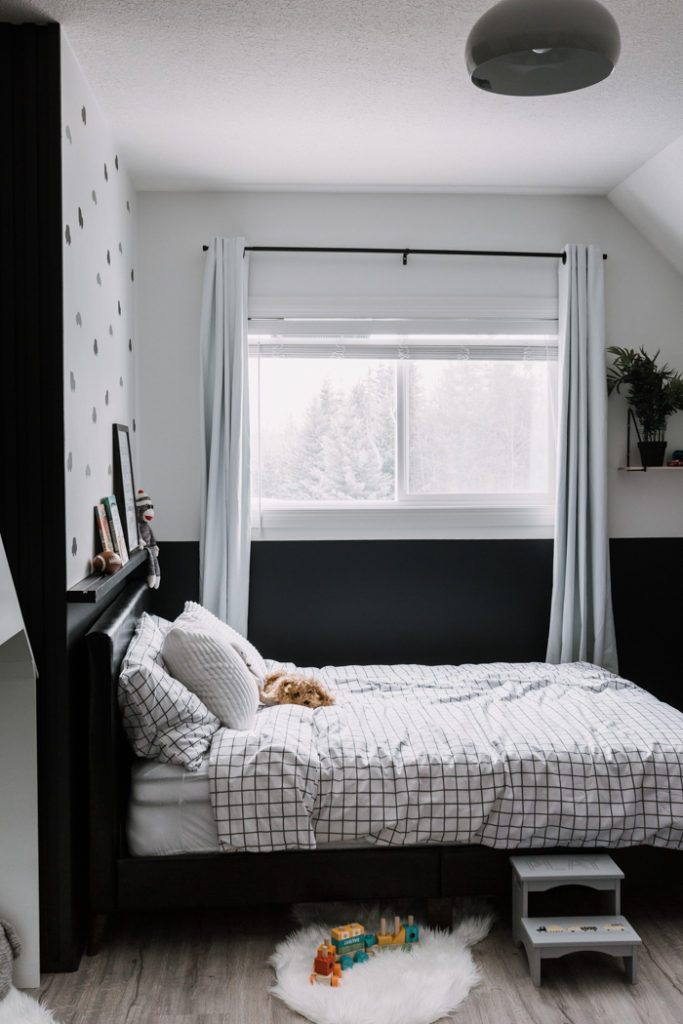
(404, 936)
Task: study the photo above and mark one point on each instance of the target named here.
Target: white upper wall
(98, 203)
(644, 303)
(652, 199)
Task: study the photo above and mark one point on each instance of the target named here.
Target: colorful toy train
(350, 944)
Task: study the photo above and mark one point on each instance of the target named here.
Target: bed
(360, 805)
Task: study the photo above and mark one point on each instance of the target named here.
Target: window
(402, 428)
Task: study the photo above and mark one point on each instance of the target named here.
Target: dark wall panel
(335, 602)
(179, 564)
(648, 605)
(435, 602)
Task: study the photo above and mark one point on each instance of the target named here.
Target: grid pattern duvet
(504, 755)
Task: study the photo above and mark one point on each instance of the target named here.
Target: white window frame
(430, 516)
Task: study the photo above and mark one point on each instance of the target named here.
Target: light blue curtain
(581, 620)
(224, 544)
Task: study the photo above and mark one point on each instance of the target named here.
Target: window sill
(403, 524)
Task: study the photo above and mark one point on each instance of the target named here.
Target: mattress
(170, 812)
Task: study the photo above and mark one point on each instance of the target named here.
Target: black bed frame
(119, 881)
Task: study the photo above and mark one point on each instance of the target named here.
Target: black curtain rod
(406, 252)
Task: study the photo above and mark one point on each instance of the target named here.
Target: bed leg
(440, 912)
(98, 925)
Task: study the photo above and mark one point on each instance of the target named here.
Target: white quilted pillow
(199, 650)
(197, 615)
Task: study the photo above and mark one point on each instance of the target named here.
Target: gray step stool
(539, 873)
(557, 936)
(550, 937)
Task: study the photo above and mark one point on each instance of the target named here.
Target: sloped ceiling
(373, 94)
(652, 199)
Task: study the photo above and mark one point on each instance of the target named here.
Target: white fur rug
(19, 1008)
(393, 987)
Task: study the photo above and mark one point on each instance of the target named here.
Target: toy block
(383, 936)
(350, 946)
(325, 960)
(347, 931)
(332, 979)
(322, 967)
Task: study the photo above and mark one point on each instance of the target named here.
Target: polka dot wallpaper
(98, 204)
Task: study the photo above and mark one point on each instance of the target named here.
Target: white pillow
(199, 650)
(199, 616)
(161, 718)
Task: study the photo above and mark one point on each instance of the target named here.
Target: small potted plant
(655, 392)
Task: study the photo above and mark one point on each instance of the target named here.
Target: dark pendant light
(541, 47)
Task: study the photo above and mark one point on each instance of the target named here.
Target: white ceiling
(360, 94)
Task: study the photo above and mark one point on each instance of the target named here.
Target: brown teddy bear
(282, 687)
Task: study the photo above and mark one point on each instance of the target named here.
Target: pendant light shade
(541, 47)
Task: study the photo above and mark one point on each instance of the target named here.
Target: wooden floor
(211, 968)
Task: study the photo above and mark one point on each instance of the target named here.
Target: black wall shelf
(649, 469)
(98, 585)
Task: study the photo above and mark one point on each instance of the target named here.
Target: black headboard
(109, 754)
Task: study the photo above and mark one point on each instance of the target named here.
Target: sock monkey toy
(145, 513)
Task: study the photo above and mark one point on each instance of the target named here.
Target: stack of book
(109, 528)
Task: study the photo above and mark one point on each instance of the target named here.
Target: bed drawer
(244, 878)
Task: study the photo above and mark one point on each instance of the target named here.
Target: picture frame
(124, 485)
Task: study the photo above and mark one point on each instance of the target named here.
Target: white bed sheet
(169, 810)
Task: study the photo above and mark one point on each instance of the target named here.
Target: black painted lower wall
(337, 602)
(646, 594)
(433, 602)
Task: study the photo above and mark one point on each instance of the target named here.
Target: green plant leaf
(654, 392)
